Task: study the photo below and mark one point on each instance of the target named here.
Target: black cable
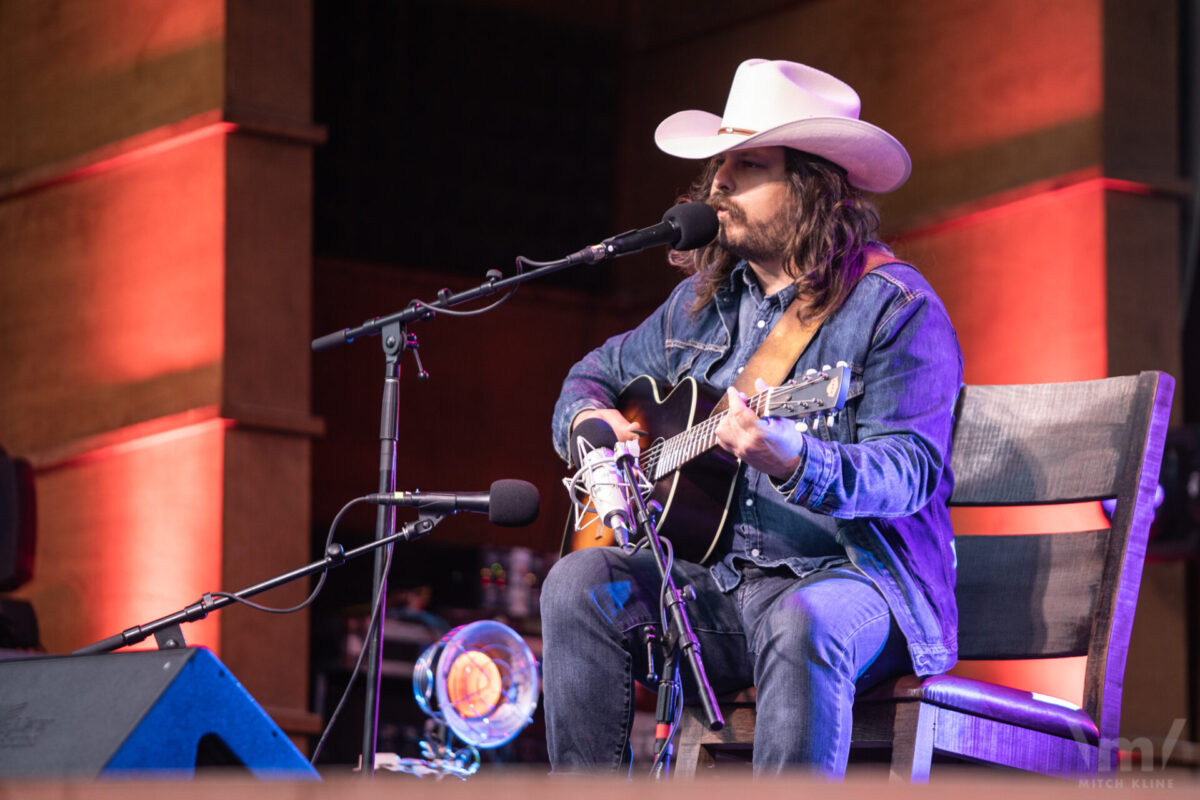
(522, 261)
(494, 304)
(495, 274)
(677, 718)
(669, 558)
(676, 685)
(320, 582)
(376, 605)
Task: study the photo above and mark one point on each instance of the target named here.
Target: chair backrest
(1059, 594)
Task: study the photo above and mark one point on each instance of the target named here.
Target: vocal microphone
(602, 479)
(685, 226)
(510, 503)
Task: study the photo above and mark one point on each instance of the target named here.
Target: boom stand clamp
(678, 639)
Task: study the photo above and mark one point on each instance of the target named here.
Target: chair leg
(689, 753)
(912, 743)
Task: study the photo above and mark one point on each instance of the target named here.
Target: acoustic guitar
(693, 478)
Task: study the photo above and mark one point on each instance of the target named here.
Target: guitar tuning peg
(826, 368)
(842, 364)
(816, 422)
(810, 372)
(802, 426)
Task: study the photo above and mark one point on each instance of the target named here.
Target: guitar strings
(704, 431)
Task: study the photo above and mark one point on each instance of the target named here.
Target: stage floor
(512, 785)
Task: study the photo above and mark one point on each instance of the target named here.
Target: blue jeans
(805, 643)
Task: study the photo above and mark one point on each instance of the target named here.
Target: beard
(757, 243)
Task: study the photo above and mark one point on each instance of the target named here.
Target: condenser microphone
(602, 479)
(509, 503)
(685, 226)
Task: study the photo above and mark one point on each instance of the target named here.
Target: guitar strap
(775, 358)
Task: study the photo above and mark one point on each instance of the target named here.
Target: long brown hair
(835, 223)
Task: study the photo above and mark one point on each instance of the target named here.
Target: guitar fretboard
(663, 458)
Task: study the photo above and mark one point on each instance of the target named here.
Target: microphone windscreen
(696, 222)
(513, 503)
(596, 432)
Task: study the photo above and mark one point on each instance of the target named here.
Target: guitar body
(693, 478)
(695, 498)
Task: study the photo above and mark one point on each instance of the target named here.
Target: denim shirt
(877, 480)
(810, 543)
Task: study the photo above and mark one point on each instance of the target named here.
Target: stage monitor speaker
(158, 712)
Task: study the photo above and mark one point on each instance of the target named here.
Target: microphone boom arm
(686, 225)
(335, 556)
(418, 310)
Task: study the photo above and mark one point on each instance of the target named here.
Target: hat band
(738, 131)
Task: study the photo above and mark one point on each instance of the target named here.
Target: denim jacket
(879, 478)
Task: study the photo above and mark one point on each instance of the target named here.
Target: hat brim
(873, 159)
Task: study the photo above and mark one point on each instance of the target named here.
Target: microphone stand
(395, 340)
(678, 639)
(393, 330)
(166, 629)
(684, 225)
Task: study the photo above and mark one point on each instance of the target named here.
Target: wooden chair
(1022, 596)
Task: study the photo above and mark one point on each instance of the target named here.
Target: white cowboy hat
(784, 103)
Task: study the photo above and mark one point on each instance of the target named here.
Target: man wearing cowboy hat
(837, 565)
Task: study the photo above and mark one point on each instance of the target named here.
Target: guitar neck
(669, 455)
(823, 392)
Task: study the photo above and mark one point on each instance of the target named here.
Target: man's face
(754, 204)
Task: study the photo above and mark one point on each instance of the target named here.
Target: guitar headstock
(816, 393)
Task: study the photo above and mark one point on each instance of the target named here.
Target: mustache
(722, 202)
